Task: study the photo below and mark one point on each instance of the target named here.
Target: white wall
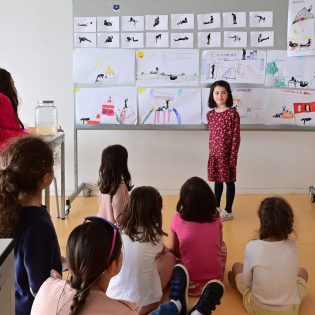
(36, 47)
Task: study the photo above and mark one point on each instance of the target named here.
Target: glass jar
(46, 120)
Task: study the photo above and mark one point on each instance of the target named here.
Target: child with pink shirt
(195, 227)
(114, 182)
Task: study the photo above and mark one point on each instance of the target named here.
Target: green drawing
(272, 68)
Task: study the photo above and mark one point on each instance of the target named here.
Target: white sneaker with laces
(224, 215)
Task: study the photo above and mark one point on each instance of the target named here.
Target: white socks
(178, 304)
(196, 313)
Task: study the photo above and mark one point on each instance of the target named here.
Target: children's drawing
(108, 40)
(301, 28)
(115, 105)
(235, 39)
(249, 103)
(107, 23)
(132, 40)
(305, 113)
(156, 22)
(289, 72)
(209, 21)
(103, 66)
(84, 24)
(209, 39)
(182, 21)
(182, 40)
(235, 66)
(234, 19)
(167, 67)
(84, 40)
(172, 106)
(261, 19)
(262, 39)
(132, 23)
(157, 39)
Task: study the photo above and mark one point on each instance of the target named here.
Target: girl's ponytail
(83, 289)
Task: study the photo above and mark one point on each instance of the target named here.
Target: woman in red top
(224, 141)
(10, 124)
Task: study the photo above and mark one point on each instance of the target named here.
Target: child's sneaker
(224, 215)
(210, 298)
(195, 288)
(179, 287)
(219, 209)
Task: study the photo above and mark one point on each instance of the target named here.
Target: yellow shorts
(254, 309)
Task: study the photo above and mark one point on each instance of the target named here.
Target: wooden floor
(237, 233)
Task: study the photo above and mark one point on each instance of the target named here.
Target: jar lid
(46, 102)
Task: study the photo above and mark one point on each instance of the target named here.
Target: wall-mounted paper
(235, 66)
(172, 106)
(156, 22)
(84, 24)
(261, 19)
(301, 28)
(182, 21)
(182, 40)
(289, 72)
(167, 67)
(108, 40)
(235, 39)
(115, 105)
(262, 39)
(132, 40)
(209, 39)
(84, 40)
(103, 66)
(234, 19)
(132, 23)
(209, 21)
(157, 39)
(108, 23)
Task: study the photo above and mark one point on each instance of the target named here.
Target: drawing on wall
(301, 28)
(182, 21)
(209, 21)
(84, 24)
(103, 66)
(170, 106)
(261, 19)
(235, 39)
(108, 40)
(132, 23)
(234, 19)
(157, 39)
(209, 39)
(235, 66)
(132, 40)
(305, 113)
(156, 22)
(289, 72)
(182, 40)
(167, 67)
(107, 23)
(115, 105)
(84, 40)
(262, 39)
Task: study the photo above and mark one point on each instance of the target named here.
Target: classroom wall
(36, 47)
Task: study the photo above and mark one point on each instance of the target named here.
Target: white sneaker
(219, 209)
(224, 215)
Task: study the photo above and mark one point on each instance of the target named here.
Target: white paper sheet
(235, 39)
(157, 39)
(235, 66)
(167, 67)
(182, 40)
(108, 24)
(84, 24)
(132, 40)
(115, 105)
(172, 106)
(156, 22)
(289, 72)
(132, 23)
(209, 39)
(182, 21)
(261, 19)
(234, 19)
(103, 66)
(209, 21)
(84, 40)
(108, 40)
(262, 39)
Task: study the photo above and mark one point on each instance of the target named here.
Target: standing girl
(224, 141)
(147, 266)
(27, 169)
(270, 280)
(114, 182)
(197, 221)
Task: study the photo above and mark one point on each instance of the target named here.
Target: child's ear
(115, 266)
(47, 179)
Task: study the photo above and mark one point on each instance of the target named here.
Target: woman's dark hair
(276, 219)
(23, 165)
(196, 201)
(141, 220)
(114, 169)
(8, 89)
(224, 84)
(88, 250)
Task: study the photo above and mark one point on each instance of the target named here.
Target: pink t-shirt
(199, 247)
